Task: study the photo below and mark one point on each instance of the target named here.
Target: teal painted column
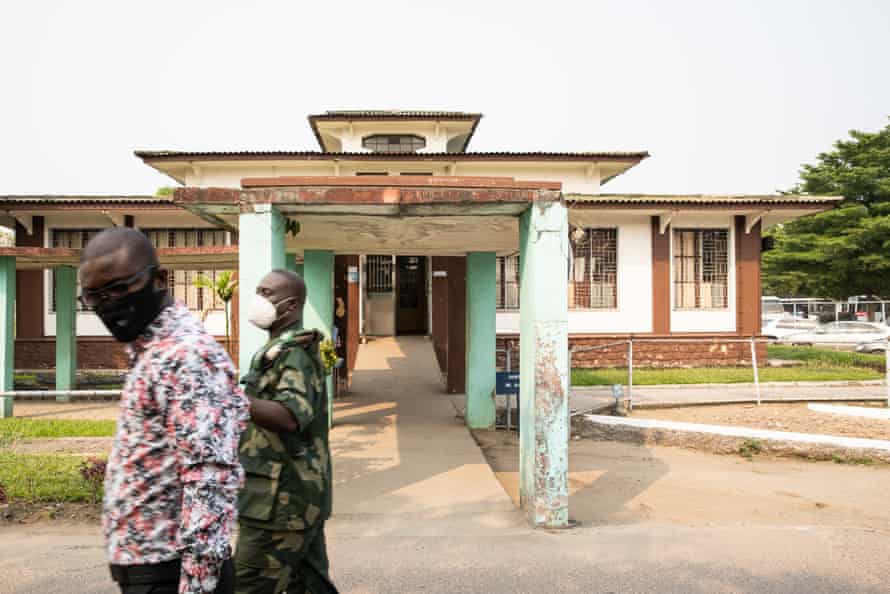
(7, 332)
(318, 266)
(481, 339)
(544, 363)
(292, 264)
(260, 250)
(66, 330)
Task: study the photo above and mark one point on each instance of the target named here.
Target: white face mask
(262, 313)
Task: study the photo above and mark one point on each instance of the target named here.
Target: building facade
(640, 265)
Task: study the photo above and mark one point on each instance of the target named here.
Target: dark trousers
(163, 578)
(271, 562)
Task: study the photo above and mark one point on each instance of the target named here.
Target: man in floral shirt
(173, 475)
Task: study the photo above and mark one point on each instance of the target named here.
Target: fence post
(756, 374)
(887, 370)
(630, 374)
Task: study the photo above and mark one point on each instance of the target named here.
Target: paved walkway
(403, 457)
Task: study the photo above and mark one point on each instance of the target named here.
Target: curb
(750, 385)
(730, 439)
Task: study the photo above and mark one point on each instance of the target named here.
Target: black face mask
(127, 317)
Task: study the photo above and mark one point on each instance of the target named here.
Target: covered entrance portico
(474, 219)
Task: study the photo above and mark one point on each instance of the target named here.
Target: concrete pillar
(260, 250)
(544, 364)
(66, 329)
(481, 339)
(318, 266)
(7, 332)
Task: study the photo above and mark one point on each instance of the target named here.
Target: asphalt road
(629, 559)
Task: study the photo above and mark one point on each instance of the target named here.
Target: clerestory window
(394, 143)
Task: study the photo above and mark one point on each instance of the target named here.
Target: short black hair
(295, 284)
(109, 241)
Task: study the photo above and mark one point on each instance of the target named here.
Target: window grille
(507, 278)
(594, 281)
(181, 282)
(379, 273)
(701, 268)
(394, 143)
(69, 238)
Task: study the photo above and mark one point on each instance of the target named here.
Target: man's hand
(273, 416)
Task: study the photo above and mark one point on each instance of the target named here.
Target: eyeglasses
(91, 298)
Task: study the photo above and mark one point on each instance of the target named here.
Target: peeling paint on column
(544, 364)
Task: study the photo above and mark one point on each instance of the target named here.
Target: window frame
(730, 239)
(617, 292)
(501, 287)
(389, 137)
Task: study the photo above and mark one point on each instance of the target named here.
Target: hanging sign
(352, 275)
(440, 273)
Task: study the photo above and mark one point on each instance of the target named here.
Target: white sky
(727, 96)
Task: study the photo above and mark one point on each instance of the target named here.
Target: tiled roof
(368, 156)
(701, 199)
(83, 199)
(343, 114)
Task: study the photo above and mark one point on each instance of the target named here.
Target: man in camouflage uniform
(286, 497)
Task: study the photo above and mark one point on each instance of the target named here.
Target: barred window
(507, 278)
(701, 268)
(181, 282)
(594, 280)
(69, 238)
(379, 273)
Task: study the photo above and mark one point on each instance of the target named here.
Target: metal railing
(752, 341)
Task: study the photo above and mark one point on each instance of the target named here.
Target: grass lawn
(44, 477)
(722, 375)
(816, 356)
(31, 428)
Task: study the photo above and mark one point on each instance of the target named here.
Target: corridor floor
(400, 451)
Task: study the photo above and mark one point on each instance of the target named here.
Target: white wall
(576, 177)
(634, 311)
(714, 320)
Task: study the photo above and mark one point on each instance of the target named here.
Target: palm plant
(223, 286)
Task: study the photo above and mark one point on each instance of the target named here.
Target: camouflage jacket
(287, 475)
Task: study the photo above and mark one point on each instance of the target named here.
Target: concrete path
(403, 459)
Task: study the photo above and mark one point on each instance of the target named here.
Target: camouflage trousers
(271, 562)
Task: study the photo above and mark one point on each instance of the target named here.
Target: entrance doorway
(411, 298)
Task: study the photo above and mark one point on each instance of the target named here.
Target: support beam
(66, 329)
(261, 243)
(664, 220)
(544, 364)
(7, 332)
(26, 221)
(752, 219)
(481, 339)
(318, 266)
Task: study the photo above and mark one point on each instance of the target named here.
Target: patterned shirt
(173, 475)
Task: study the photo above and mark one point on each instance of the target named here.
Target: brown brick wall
(710, 352)
(92, 353)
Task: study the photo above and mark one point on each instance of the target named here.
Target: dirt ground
(794, 417)
(31, 513)
(88, 446)
(622, 483)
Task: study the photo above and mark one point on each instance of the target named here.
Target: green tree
(224, 288)
(164, 191)
(844, 251)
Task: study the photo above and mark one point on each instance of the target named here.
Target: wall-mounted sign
(352, 274)
(440, 273)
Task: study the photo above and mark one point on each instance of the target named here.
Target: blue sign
(506, 382)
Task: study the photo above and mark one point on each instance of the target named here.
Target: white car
(878, 346)
(841, 334)
(781, 328)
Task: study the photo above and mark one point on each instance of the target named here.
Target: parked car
(877, 346)
(841, 334)
(784, 327)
